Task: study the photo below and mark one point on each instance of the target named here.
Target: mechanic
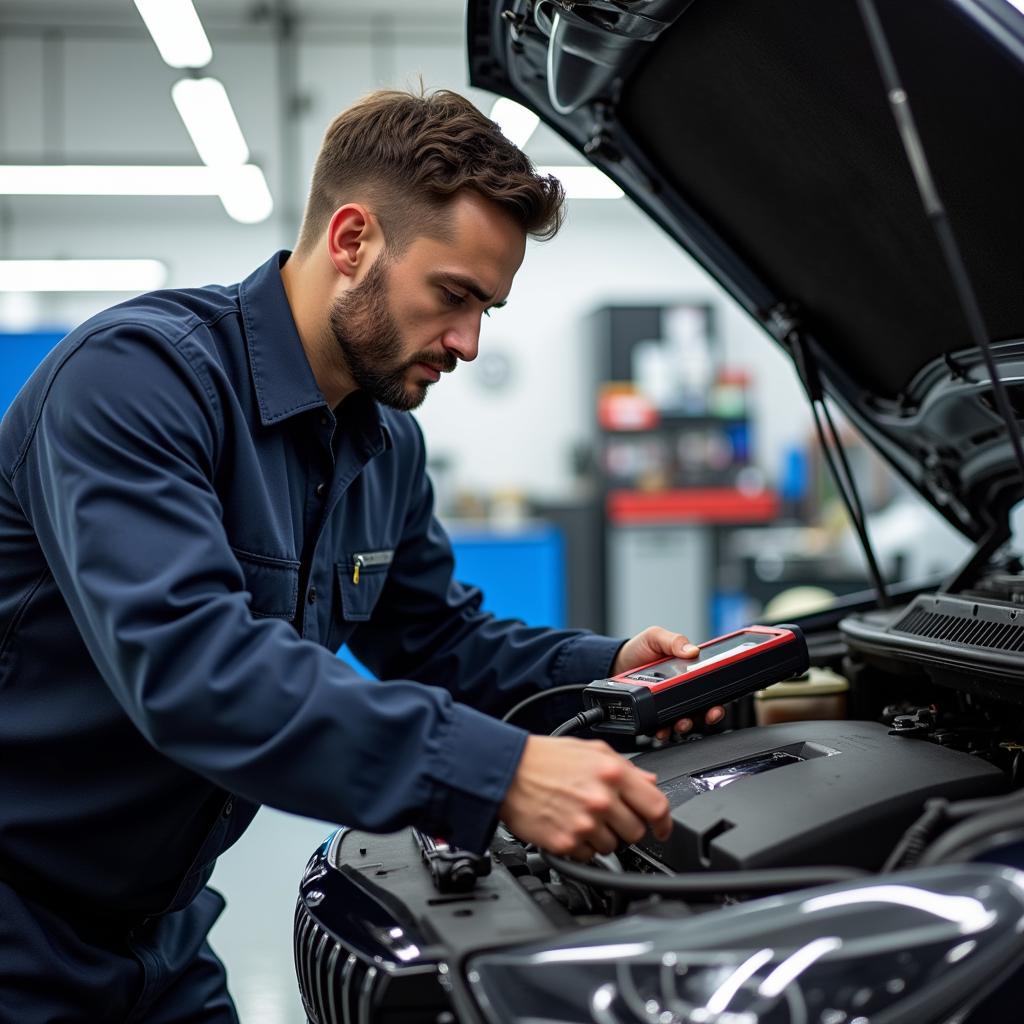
(203, 494)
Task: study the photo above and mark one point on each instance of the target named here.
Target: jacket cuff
(471, 772)
(585, 658)
(581, 660)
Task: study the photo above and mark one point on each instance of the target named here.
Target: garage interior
(663, 465)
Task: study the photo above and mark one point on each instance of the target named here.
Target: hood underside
(759, 135)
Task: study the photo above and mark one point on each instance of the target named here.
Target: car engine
(930, 753)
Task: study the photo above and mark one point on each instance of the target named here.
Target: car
(851, 173)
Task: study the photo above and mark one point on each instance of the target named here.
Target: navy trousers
(59, 970)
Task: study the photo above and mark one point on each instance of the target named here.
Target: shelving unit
(671, 480)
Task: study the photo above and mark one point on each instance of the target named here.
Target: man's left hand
(651, 645)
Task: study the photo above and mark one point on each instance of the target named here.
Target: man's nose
(464, 341)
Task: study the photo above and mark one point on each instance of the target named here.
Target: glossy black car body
(761, 136)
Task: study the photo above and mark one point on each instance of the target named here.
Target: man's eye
(452, 298)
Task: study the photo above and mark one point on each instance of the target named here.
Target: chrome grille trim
(332, 985)
(321, 980)
(317, 955)
(349, 976)
(366, 994)
(300, 957)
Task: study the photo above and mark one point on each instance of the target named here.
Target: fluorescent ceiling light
(517, 123)
(81, 275)
(245, 194)
(206, 110)
(582, 182)
(19, 311)
(243, 190)
(108, 180)
(177, 32)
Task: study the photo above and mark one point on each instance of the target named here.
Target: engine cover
(801, 793)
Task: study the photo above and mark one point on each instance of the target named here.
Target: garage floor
(259, 876)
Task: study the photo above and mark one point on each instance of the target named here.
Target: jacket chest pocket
(273, 584)
(361, 578)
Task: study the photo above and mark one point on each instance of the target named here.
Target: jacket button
(312, 595)
(321, 490)
(228, 808)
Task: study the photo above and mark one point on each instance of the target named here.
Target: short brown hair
(410, 155)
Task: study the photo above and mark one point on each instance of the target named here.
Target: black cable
(542, 695)
(589, 717)
(915, 840)
(967, 808)
(618, 900)
(939, 813)
(978, 805)
(949, 844)
(703, 882)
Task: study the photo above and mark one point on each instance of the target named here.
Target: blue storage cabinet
(521, 570)
(20, 354)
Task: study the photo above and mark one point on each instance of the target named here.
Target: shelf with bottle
(650, 449)
(626, 407)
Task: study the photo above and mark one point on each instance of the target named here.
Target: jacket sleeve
(430, 627)
(118, 481)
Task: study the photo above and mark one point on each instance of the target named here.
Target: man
(203, 494)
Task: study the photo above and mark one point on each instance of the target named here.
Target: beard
(369, 344)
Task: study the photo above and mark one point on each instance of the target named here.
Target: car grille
(962, 629)
(336, 986)
(339, 986)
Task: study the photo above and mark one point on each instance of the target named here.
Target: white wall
(608, 252)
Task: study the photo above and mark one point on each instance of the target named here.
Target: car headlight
(897, 948)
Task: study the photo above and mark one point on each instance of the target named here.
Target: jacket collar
(281, 374)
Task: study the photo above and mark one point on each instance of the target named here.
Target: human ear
(350, 236)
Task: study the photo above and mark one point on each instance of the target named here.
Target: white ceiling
(237, 12)
(81, 81)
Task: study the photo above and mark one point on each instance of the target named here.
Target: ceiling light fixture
(107, 180)
(210, 119)
(517, 123)
(81, 275)
(583, 182)
(177, 32)
(245, 195)
(243, 190)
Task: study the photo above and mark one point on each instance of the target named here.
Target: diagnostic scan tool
(646, 699)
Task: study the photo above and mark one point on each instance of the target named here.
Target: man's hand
(576, 798)
(650, 645)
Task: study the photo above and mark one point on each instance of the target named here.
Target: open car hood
(759, 135)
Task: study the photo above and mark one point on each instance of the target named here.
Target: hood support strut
(810, 378)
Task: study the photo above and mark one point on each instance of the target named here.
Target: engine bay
(928, 751)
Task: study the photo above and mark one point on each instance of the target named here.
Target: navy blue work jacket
(187, 534)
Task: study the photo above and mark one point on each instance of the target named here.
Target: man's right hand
(576, 798)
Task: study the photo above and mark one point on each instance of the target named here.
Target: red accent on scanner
(779, 637)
